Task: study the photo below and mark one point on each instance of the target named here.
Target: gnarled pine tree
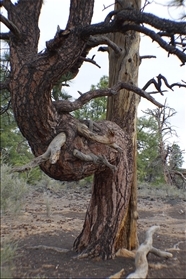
(66, 148)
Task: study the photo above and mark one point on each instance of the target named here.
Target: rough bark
(122, 109)
(103, 225)
(110, 222)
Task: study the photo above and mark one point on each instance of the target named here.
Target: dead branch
(68, 106)
(90, 61)
(98, 160)
(137, 19)
(158, 84)
(103, 49)
(105, 139)
(4, 36)
(147, 57)
(10, 25)
(141, 262)
(98, 40)
(174, 172)
(52, 154)
(155, 37)
(106, 7)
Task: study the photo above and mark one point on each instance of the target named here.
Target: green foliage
(96, 108)
(14, 147)
(175, 159)
(13, 190)
(57, 92)
(154, 153)
(148, 161)
(8, 253)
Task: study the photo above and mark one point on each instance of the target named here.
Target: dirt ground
(55, 218)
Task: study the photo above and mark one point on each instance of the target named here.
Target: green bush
(13, 190)
(8, 253)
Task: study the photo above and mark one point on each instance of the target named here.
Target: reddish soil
(56, 220)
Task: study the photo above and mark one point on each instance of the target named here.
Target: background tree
(14, 147)
(147, 145)
(96, 108)
(67, 148)
(166, 150)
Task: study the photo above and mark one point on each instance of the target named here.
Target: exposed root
(93, 158)
(52, 154)
(56, 249)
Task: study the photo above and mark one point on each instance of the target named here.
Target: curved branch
(10, 25)
(155, 37)
(52, 153)
(98, 40)
(98, 160)
(162, 24)
(7, 4)
(137, 17)
(141, 262)
(5, 36)
(90, 61)
(67, 106)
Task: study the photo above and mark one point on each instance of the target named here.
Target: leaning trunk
(111, 219)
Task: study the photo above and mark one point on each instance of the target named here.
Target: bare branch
(5, 36)
(10, 25)
(7, 4)
(158, 84)
(98, 40)
(106, 7)
(99, 160)
(90, 61)
(52, 153)
(166, 25)
(141, 262)
(183, 175)
(103, 49)
(119, 24)
(67, 106)
(155, 37)
(147, 57)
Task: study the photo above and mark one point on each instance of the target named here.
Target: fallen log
(141, 262)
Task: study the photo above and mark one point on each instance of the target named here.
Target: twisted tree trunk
(111, 219)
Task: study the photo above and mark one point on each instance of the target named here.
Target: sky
(55, 12)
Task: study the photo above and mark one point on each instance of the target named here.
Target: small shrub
(8, 253)
(13, 191)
